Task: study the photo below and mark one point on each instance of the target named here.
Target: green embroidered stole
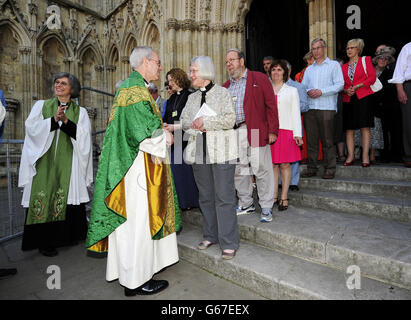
(49, 190)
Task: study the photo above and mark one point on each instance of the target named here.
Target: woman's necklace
(353, 63)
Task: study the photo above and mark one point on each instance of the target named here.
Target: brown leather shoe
(407, 164)
(328, 176)
(308, 174)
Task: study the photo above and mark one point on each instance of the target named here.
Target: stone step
(356, 185)
(387, 207)
(382, 249)
(380, 172)
(278, 276)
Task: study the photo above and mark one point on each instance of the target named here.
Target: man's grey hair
(138, 55)
(152, 87)
(288, 65)
(206, 70)
(268, 58)
(323, 43)
(240, 54)
(73, 81)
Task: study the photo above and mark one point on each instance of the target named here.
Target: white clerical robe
(38, 141)
(133, 257)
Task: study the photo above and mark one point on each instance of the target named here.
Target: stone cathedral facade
(93, 40)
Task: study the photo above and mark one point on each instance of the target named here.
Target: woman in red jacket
(357, 111)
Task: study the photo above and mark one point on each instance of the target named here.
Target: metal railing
(12, 214)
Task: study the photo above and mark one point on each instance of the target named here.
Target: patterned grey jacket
(221, 137)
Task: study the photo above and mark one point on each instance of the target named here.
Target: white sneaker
(245, 210)
(266, 216)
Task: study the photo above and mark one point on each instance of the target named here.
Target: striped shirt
(237, 91)
(328, 78)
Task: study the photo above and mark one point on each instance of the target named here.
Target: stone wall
(97, 37)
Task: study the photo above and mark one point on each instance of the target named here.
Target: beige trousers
(253, 161)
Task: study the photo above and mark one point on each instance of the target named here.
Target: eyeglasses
(384, 58)
(231, 60)
(194, 71)
(62, 83)
(157, 61)
(351, 48)
(317, 48)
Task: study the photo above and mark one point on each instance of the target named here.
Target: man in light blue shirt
(323, 80)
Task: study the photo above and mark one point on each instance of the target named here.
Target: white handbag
(377, 85)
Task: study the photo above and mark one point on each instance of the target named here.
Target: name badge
(174, 114)
(234, 99)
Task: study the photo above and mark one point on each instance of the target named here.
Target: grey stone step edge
(281, 277)
(395, 209)
(382, 172)
(363, 186)
(375, 267)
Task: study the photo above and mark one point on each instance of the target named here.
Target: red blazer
(360, 77)
(260, 107)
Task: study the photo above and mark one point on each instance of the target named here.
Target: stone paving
(83, 278)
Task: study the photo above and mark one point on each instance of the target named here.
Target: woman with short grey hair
(55, 170)
(208, 118)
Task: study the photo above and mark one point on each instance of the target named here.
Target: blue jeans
(295, 174)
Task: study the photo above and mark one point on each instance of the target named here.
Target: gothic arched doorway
(279, 29)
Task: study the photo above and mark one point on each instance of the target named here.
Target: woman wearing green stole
(55, 170)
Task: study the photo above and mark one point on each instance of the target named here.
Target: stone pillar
(171, 48)
(203, 37)
(26, 99)
(12, 108)
(321, 23)
(33, 10)
(125, 67)
(188, 27)
(218, 51)
(241, 37)
(232, 35)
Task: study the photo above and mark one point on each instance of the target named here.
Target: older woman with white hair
(209, 118)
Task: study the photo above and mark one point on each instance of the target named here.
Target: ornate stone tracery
(104, 32)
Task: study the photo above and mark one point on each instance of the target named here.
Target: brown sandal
(204, 245)
(228, 255)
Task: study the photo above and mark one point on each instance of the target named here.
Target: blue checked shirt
(237, 91)
(302, 94)
(328, 78)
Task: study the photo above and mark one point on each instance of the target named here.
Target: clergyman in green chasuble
(134, 118)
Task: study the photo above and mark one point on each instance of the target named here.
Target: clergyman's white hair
(206, 70)
(138, 54)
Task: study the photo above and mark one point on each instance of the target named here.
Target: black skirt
(358, 114)
(57, 234)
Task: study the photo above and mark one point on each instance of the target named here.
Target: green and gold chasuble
(50, 186)
(134, 118)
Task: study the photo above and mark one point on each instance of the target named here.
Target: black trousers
(406, 122)
(57, 234)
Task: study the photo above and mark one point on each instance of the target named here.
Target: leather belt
(236, 126)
